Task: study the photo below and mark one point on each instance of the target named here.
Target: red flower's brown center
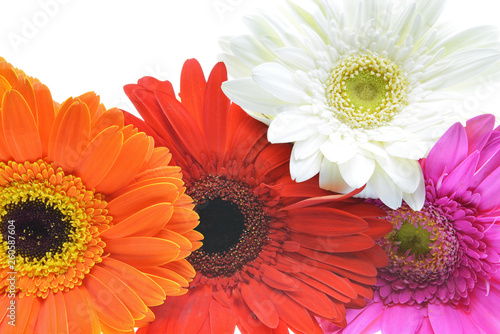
(233, 222)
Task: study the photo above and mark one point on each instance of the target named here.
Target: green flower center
(366, 91)
(415, 239)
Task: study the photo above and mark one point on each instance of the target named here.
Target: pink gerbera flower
(443, 270)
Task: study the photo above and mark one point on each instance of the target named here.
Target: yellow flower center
(366, 91)
(50, 226)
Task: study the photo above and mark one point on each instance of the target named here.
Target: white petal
(367, 192)
(405, 173)
(460, 67)
(357, 171)
(416, 199)
(407, 149)
(280, 82)
(338, 150)
(245, 93)
(304, 148)
(296, 58)
(250, 51)
(303, 169)
(330, 178)
(388, 192)
(430, 10)
(289, 127)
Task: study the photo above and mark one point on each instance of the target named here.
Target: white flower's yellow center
(366, 91)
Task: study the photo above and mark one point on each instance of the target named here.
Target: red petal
(222, 319)
(276, 279)
(216, 110)
(378, 227)
(315, 301)
(322, 200)
(325, 221)
(350, 243)
(193, 87)
(256, 296)
(194, 310)
(155, 84)
(294, 314)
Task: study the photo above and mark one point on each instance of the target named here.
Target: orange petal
(170, 287)
(155, 180)
(184, 243)
(129, 298)
(47, 320)
(60, 315)
(109, 118)
(25, 88)
(20, 130)
(168, 274)
(161, 157)
(139, 198)
(4, 86)
(46, 114)
(108, 306)
(150, 292)
(73, 137)
(142, 251)
(183, 220)
(145, 222)
(149, 317)
(54, 131)
(127, 164)
(81, 315)
(182, 267)
(92, 101)
(7, 71)
(99, 156)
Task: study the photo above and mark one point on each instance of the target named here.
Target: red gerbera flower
(276, 253)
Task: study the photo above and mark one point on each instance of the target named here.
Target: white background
(77, 46)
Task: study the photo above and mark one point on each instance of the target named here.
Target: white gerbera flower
(363, 91)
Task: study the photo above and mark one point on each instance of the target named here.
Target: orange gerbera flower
(89, 211)
(276, 253)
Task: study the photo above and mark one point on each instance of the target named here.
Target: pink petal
(488, 188)
(486, 167)
(484, 310)
(401, 319)
(426, 327)
(479, 131)
(364, 319)
(444, 319)
(448, 152)
(458, 181)
(468, 325)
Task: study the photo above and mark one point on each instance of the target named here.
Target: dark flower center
(219, 215)
(37, 228)
(233, 222)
